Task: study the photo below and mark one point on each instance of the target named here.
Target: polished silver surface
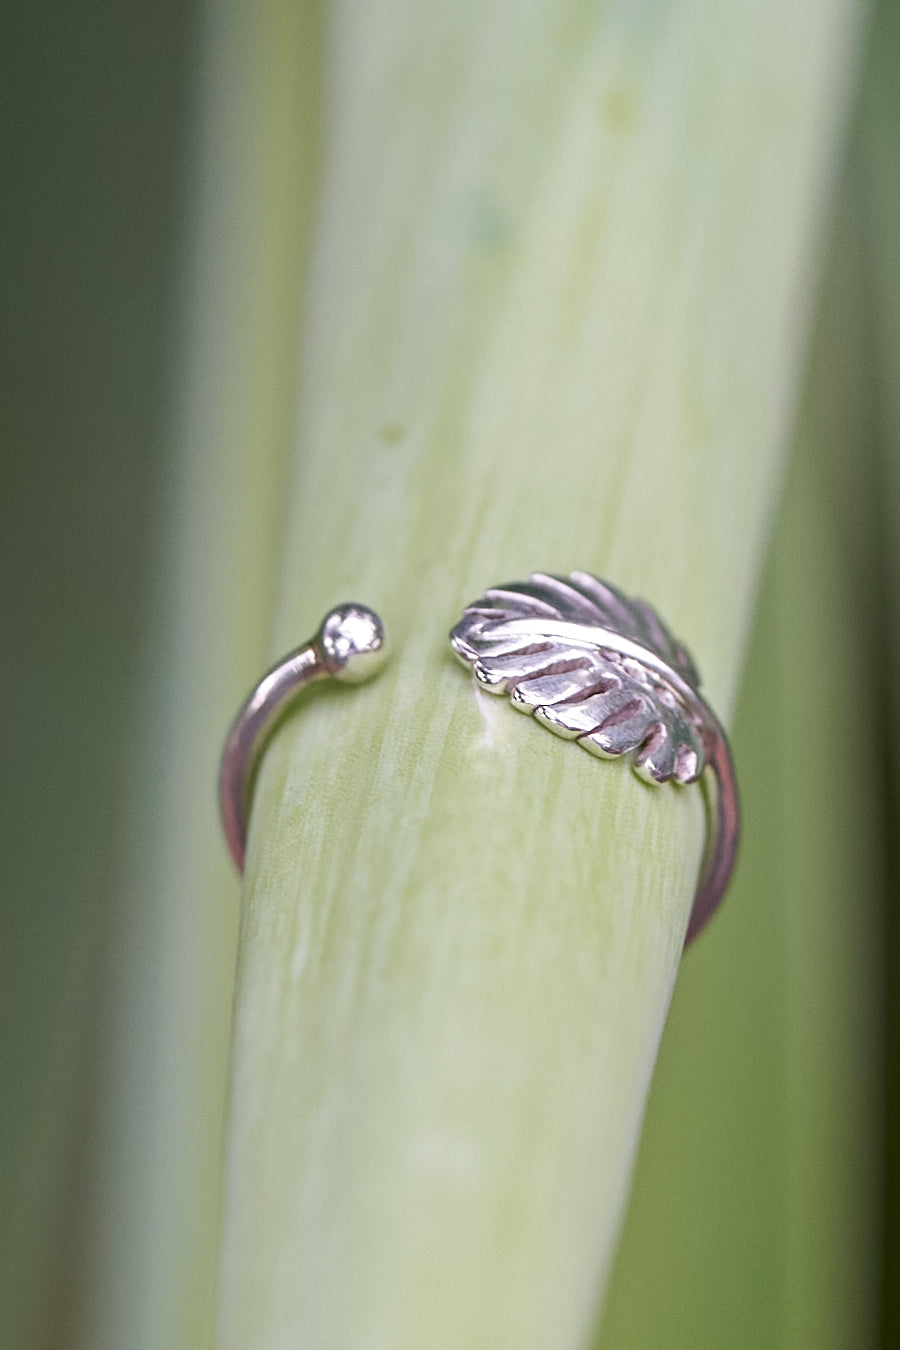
(601, 668)
(349, 646)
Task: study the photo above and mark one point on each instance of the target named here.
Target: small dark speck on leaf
(391, 433)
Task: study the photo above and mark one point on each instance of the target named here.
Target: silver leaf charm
(600, 668)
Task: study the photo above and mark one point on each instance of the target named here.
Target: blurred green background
(771, 1036)
(95, 100)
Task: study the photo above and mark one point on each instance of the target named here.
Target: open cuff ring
(589, 663)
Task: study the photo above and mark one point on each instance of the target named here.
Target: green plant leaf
(556, 315)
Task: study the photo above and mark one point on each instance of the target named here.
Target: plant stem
(557, 310)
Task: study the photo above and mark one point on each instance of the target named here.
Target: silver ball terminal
(350, 646)
(352, 643)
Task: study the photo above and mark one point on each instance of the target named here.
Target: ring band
(596, 666)
(588, 662)
(349, 646)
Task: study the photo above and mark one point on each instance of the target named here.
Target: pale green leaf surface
(562, 269)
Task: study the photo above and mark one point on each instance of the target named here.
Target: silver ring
(349, 646)
(602, 669)
(589, 663)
